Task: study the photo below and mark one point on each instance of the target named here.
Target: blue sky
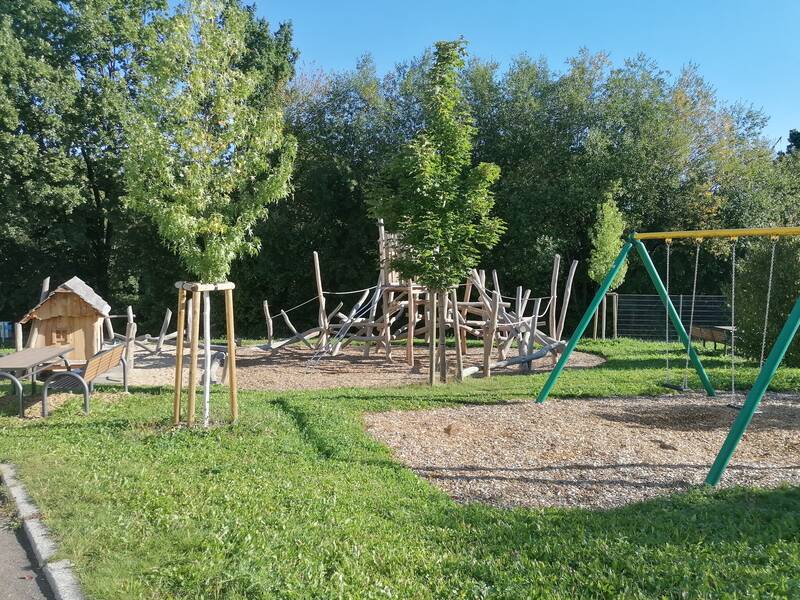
(748, 50)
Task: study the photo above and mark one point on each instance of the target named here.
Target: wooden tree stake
(193, 351)
(176, 405)
(232, 381)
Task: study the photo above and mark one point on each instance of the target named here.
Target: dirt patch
(293, 368)
(597, 453)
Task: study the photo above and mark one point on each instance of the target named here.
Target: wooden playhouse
(71, 314)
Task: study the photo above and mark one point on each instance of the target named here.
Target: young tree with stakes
(206, 151)
(434, 198)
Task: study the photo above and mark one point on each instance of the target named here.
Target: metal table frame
(32, 371)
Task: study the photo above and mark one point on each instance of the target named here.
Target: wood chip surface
(292, 368)
(595, 453)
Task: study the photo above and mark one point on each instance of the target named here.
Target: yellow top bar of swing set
(719, 233)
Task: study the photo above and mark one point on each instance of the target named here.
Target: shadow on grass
(676, 546)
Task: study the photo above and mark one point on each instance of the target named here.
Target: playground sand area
(592, 453)
(292, 368)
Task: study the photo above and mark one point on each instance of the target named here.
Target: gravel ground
(289, 368)
(597, 453)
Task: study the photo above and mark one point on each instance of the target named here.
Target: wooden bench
(83, 379)
(710, 334)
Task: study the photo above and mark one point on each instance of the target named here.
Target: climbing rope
(697, 243)
(769, 294)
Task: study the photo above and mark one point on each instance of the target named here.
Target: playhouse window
(60, 336)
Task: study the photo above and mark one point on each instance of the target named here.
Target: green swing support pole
(673, 316)
(584, 323)
(756, 394)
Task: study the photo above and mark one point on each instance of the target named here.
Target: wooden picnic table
(30, 362)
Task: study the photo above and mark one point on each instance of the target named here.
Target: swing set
(769, 365)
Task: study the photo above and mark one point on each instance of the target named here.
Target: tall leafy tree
(206, 154)
(606, 239)
(431, 194)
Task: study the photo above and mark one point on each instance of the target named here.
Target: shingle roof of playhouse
(77, 286)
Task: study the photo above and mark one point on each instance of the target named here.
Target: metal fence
(643, 315)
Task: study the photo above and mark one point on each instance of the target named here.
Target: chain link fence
(643, 315)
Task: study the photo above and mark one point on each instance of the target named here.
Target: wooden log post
(554, 296)
(412, 321)
(179, 339)
(603, 318)
(442, 296)
(489, 331)
(45, 291)
(229, 333)
(387, 298)
(19, 342)
(162, 334)
(565, 302)
(431, 334)
(457, 336)
(130, 348)
(467, 295)
(268, 319)
(322, 314)
(193, 352)
(189, 314)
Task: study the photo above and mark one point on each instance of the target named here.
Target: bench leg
(17, 388)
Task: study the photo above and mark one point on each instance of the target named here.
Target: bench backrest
(709, 334)
(103, 361)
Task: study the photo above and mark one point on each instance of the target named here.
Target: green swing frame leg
(584, 322)
(598, 298)
(755, 395)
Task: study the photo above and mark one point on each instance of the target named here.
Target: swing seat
(676, 386)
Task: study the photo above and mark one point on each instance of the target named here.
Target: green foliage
(751, 296)
(298, 501)
(606, 239)
(205, 153)
(431, 194)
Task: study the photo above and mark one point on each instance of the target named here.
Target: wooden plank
(229, 333)
(412, 321)
(30, 357)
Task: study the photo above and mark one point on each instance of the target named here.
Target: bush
(751, 294)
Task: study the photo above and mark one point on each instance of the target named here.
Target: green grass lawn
(296, 501)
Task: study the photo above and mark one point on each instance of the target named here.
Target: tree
(206, 154)
(431, 195)
(606, 239)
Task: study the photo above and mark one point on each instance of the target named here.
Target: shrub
(751, 294)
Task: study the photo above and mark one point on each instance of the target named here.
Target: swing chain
(668, 243)
(769, 293)
(697, 243)
(733, 317)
